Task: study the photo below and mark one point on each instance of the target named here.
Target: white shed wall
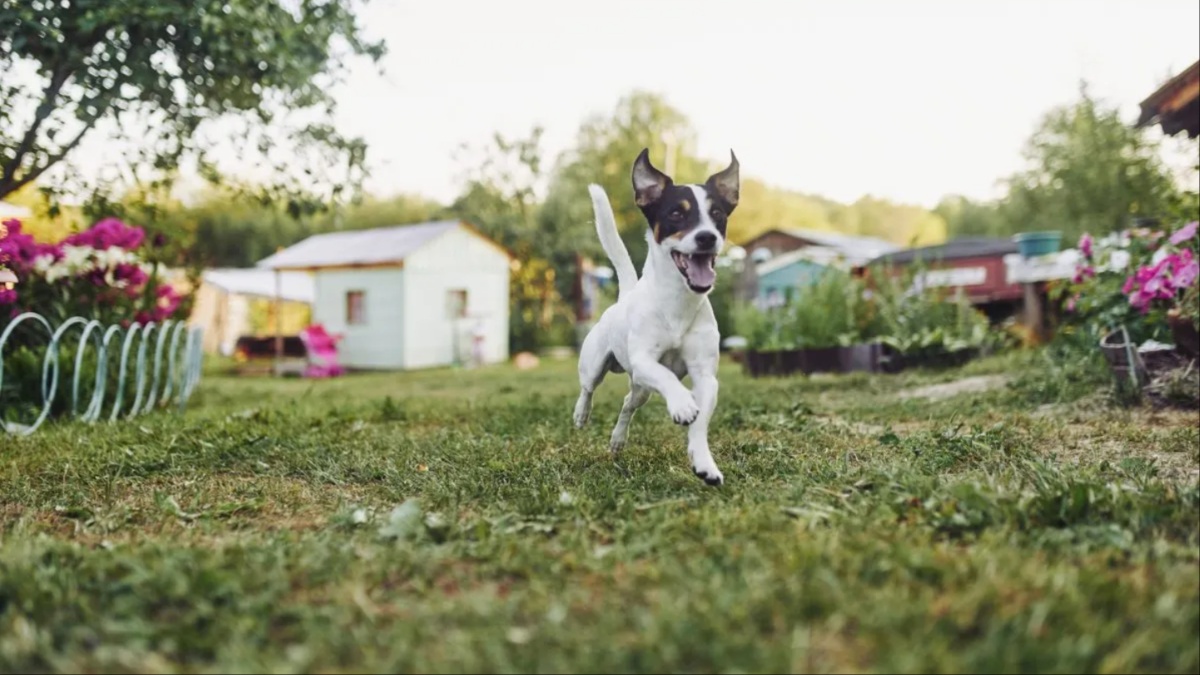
(458, 259)
(379, 343)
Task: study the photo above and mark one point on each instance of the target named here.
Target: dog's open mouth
(697, 269)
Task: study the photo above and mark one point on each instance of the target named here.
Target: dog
(662, 326)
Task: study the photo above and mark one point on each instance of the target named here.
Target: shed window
(356, 308)
(456, 303)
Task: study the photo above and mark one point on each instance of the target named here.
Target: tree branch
(9, 185)
(49, 96)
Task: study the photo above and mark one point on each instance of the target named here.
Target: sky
(908, 100)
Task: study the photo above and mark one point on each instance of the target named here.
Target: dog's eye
(716, 214)
(675, 214)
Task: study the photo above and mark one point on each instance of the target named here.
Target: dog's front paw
(684, 410)
(704, 467)
(711, 475)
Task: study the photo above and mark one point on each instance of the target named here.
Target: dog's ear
(726, 184)
(648, 182)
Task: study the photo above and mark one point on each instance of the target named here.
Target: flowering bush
(108, 273)
(100, 273)
(1133, 279)
(1169, 276)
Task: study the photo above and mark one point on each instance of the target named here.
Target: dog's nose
(706, 240)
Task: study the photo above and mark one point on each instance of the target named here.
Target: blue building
(788, 259)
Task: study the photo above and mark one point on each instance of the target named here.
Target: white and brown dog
(662, 326)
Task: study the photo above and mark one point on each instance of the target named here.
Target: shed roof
(294, 286)
(379, 246)
(963, 247)
(1175, 105)
(818, 255)
(851, 246)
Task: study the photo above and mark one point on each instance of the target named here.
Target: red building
(974, 264)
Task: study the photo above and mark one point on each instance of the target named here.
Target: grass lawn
(867, 524)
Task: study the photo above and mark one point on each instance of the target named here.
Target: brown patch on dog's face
(675, 214)
(672, 210)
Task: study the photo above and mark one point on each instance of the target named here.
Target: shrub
(106, 273)
(840, 310)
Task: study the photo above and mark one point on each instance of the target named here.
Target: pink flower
(1141, 300)
(1071, 304)
(1186, 276)
(108, 233)
(132, 275)
(8, 296)
(19, 249)
(1184, 233)
(1085, 272)
(168, 302)
(1085, 245)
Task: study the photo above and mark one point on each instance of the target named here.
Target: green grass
(1033, 527)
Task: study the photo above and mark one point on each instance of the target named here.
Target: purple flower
(1184, 233)
(8, 296)
(16, 248)
(1085, 245)
(168, 301)
(108, 233)
(1186, 275)
(1141, 300)
(133, 276)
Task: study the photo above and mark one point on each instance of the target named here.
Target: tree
(500, 198)
(968, 218)
(159, 72)
(1089, 171)
(899, 223)
(604, 152)
(763, 208)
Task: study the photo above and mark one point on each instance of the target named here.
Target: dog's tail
(610, 239)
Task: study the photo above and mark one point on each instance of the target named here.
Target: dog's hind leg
(636, 398)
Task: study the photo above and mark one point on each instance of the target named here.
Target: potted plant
(1185, 322)
(1034, 244)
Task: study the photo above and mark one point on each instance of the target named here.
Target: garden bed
(886, 325)
(874, 357)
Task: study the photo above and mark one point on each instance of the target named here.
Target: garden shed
(410, 296)
(780, 277)
(791, 258)
(227, 299)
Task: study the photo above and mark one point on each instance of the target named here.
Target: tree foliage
(156, 73)
(1089, 171)
(500, 198)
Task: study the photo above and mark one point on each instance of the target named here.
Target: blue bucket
(1034, 244)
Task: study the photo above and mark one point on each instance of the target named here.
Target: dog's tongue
(700, 272)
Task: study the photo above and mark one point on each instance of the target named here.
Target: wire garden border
(170, 346)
